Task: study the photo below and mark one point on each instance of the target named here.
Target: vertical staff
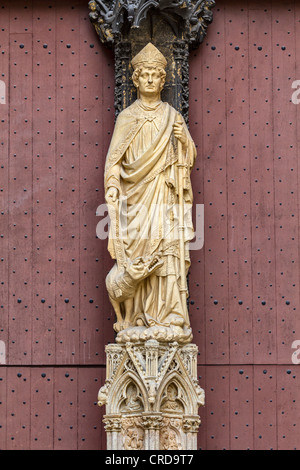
(181, 165)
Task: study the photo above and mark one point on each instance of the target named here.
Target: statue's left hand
(179, 133)
(111, 195)
(137, 269)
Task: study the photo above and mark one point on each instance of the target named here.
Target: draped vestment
(141, 164)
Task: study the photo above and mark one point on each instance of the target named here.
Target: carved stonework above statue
(188, 18)
(174, 25)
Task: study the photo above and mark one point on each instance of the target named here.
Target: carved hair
(138, 70)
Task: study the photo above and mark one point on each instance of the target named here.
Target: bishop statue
(149, 196)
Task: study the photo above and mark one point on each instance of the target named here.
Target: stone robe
(141, 164)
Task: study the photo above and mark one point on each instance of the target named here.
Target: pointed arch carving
(186, 394)
(119, 394)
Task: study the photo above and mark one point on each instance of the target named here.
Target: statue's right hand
(112, 194)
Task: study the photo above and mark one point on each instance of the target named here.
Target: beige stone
(152, 396)
(151, 393)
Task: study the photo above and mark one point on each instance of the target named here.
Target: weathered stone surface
(152, 396)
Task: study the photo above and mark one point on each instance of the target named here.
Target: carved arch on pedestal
(119, 394)
(186, 393)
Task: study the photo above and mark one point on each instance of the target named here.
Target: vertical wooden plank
(215, 197)
(3, 402)
(96, 82)
(20, 180)
(108, 71)
(44, 156)
(67, 184)
(296, 329)
(202, 434)
(91, 435)
(264, 411)
(241, 407)
(238, 183)
(4, 176)
(21, 17)
(65, 408)
(41, 407)
(286, 179)
(196, 273)
(217, 407)
(18, 408)
(262, 190)
(288, 407)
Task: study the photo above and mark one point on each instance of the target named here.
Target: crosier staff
(180, 135)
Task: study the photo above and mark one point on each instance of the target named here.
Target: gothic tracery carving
(188, 18)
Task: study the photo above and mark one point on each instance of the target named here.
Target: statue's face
(150, 81)
(93, 5)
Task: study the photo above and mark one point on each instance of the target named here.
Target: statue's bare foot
(118, 326)
(121, 325)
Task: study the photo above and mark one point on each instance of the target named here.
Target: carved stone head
(149, 70)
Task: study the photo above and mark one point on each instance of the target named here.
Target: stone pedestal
(152, 396)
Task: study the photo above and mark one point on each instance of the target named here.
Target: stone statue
(149, 197)
(132, 401)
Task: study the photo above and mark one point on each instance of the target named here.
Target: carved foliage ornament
(189, 19)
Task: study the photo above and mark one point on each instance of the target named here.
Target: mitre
(149, 56)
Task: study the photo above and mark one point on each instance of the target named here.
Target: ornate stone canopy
(188, 19)
(175, 26)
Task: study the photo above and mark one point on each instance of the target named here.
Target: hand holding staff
(179, 131)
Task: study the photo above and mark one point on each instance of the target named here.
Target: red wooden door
(57, 116)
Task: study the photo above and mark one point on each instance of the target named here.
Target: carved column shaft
(124, 89)
(191, 426)
(113, 429)
(113, 352)
(152, 424)
(190, 357)
(181, 58)
(151, 358)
